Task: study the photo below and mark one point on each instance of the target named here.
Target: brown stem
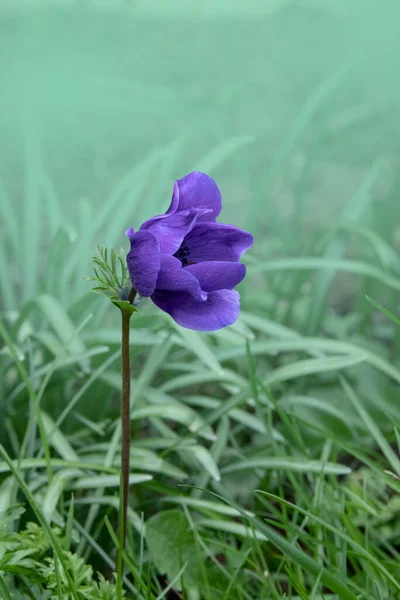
(125, 420)
(132, 295)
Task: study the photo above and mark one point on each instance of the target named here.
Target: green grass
(265, 457)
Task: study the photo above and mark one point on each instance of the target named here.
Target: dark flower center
(183, 253)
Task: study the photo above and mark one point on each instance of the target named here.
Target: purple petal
(143, 261)
(172, 277)
(217, 242)
(217, 275)
(198, 190)
(221, 309)
(171, 229)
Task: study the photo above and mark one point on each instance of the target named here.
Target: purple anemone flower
(187, 262)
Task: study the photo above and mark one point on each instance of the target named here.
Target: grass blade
(287, 463)
(295, 554)
(372, 427)
(357, 547)
(383, 310)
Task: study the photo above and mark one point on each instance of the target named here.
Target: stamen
(183, 253)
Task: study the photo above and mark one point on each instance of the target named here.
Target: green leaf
(312, 366)
(4, 589)
(124, 305)
(312, 346)
(201, 378)
(206, 460)
(205, 506)
(113, 260)
(113, 501)
(385, 311)
(197, 344)
(96, 481)
(57, 439)
(105, 291)
(313, 263)
(234, 528)
(59, 249)
(171, 544)
(40, 463)
(63, 326)
(55, 489)
(179, 413)
(287, 463)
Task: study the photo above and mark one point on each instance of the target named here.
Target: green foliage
(111, 272)
(103, 590)
(28, 554)
(172, 547)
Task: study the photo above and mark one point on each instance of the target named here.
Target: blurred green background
(289, 105)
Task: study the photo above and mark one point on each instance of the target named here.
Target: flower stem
(125, 421)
